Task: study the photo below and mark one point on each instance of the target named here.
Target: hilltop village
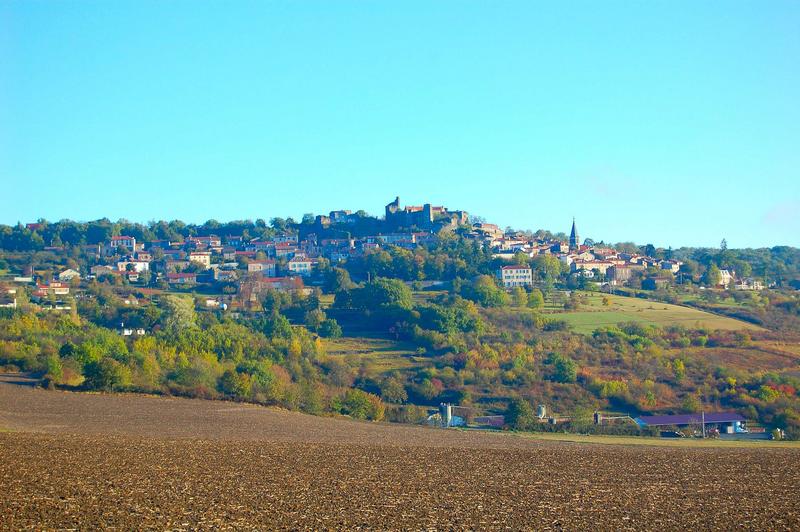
(390, 317)
(239, 267)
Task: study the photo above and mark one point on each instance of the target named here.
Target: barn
(726, 422)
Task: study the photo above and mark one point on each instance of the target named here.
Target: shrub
(106, 374)
(330, 328)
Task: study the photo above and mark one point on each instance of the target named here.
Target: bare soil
(93, 461)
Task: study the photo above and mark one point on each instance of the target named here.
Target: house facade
(511, 276)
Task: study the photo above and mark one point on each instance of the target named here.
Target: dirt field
(98, 461)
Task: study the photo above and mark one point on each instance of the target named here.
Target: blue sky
(674, 123)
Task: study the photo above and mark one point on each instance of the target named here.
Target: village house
(182, 278)
(285, 249)
(487, 230)
(265, 267)
(174, 254)
(201, 257)
(234, 240)
(175, 265)
(604, 253)
(8, 297)
(726, 277)
(671, 265)
(656, 283)
(600, 265)
(285, 238)
(53, 288)
(229, 253)
(301, 266)
(225, 276)
(621, 274)
(250, 255)
(202, 242)
(267, 246)
(127, 243)
(68, 275)
(138, 266)
(749, 284)
(394, 239)
(102, 269)
(511, 276)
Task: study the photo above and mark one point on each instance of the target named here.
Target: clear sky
(673, 123)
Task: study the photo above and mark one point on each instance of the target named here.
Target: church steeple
(574, 239)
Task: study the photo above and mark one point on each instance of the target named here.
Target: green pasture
(595, 314)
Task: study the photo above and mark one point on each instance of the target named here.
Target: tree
(485, 292)
(382, 293)
(536, 299)
(519, 414)
(547, 266)
(179, 312)
(235, 384)
(337, 280)
(106, 374)
(564, 369)
(519, 296)
(393, 391)
(691, 404)
(359, 404)
(712, 277)
(314, 318)
(330, 328)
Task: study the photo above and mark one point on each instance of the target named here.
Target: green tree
(484, 291)
(712, 277)
(106, 374)
(519, 414)
(519, 296)
(235, 384)
(337, 280)
(359, 404)
(393, 391)
(330, 328)
(691, 404)
(382, 293)
(314, 319)
(564, 369)
(178, 312)
(536, 299)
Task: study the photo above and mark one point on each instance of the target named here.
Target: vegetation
(370, 342)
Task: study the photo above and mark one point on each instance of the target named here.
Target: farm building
(726, 422)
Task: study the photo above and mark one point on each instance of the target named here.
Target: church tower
(574, 239)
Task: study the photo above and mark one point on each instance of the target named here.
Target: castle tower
(392, 208)
(574, 239)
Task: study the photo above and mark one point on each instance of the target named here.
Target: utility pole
(703, 417)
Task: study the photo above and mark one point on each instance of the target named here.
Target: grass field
(622, 309)
(379, 354)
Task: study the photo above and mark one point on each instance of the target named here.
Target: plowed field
(102, 461)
